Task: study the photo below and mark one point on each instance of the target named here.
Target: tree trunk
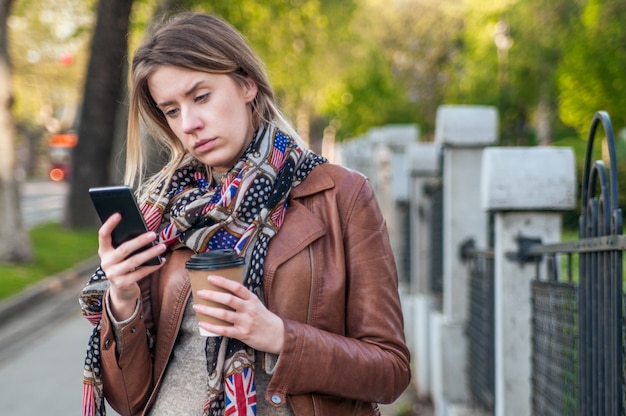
(14, 242)
(92, 155)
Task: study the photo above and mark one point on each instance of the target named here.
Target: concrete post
(463, 132)
(394, 140)
(425, 171)
(524, 187)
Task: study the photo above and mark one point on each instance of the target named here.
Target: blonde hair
(197, 42)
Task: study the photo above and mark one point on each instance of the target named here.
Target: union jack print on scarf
(244, 213)
(240, 394)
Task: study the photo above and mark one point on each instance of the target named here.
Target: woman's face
(209, 113)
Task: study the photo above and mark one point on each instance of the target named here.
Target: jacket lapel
(301, 226)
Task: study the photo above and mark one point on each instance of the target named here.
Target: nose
(191, 120)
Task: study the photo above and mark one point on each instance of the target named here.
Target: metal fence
(555, 348)
(578, 348)
(480, 328)
(578, 322)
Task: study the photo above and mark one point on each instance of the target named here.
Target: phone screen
(111, 199)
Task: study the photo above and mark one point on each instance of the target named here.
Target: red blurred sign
(63, 140)
(66, 58)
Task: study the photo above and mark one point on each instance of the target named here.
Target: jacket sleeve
(370, 361)
(127, 376)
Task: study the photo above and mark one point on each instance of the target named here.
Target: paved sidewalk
(407, 405)
(41, 305)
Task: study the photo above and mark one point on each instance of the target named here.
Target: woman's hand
(122, 271)
(252, 322)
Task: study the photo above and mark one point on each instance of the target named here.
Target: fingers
(123, 265)
(122, 261)
(232, 286)
(111, 255)
(105, 231)
(251, 321)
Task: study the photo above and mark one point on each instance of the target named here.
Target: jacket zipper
(308, 316)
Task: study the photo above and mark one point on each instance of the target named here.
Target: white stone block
(464, 410)
(528, 178)
(424, 159)
(459, 125)
(448, 352)
(422, 360)
(395, 134)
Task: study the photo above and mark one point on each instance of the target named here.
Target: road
(42, 349)
(44, 377)
(42, 201)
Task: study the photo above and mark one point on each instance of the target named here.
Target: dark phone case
(111, 199)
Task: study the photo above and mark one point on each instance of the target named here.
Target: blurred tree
(14, 242)
(103, 90)
(591, 74)
(506, 54)
(306, 45)
(48, 41)
(539, 29)
(399, 63)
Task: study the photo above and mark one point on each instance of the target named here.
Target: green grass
(55, 249)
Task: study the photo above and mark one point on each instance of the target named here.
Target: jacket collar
(304, 228)
(318, 180)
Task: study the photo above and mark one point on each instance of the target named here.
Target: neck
(218, 176)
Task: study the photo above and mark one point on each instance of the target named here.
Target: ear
(250, 90)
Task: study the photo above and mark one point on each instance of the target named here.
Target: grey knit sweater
(184, 386)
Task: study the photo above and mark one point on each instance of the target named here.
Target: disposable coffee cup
(224, 263)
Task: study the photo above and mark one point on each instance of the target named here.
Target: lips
(204, 144)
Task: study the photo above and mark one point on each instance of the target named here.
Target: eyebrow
(189, 92)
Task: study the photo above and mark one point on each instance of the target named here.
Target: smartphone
(111, 199)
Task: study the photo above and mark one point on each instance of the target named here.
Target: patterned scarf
(244, 213)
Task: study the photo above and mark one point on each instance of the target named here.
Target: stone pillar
(524, 188)
(463, 132)
(425, 172)
(393, 141)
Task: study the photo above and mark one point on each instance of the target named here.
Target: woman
(317, 325)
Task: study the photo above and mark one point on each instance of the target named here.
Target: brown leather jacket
(331, 276)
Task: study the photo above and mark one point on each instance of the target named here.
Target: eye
(170, 113)
(202, 98)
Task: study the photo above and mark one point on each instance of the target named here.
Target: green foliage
(599, 153)
(55, 250)
(591, 74)
(41, 32)
(416, 45)
(354, 64)
(304, 43)
(369, 98)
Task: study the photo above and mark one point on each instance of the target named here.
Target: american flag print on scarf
(243, 213)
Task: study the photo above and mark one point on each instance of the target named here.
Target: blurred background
(339, 67)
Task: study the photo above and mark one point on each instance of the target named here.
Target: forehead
(172, 83)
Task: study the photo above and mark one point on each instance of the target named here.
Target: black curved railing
(578, 323)
(600, 280)
(585, 330)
